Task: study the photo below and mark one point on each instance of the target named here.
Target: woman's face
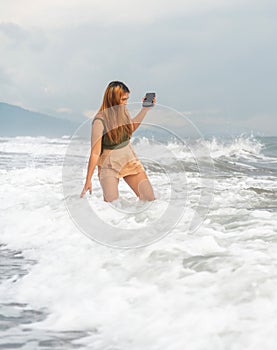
(124, 98)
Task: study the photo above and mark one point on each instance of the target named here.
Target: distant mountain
(17, 121)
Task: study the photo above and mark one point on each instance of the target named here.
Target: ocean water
(209, 288)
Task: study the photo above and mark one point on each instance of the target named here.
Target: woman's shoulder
(98, 118)
(98, 115)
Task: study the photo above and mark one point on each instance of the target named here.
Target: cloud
(64, 110)
(59, 13)
(261, 124)
(4, 77)
(16, 37)
(199, 56)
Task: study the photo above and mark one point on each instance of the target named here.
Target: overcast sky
(214, 60)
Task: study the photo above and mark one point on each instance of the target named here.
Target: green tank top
(106, 142)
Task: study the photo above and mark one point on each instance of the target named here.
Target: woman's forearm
(91, 165)
(139, 117)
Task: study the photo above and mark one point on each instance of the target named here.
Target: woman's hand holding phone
(149, 100)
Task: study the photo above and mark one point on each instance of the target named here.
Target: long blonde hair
(115, 115)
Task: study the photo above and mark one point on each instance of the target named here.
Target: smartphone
(149, 98)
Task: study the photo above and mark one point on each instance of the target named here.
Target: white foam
(214, 289)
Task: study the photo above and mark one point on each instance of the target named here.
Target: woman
(111, 150)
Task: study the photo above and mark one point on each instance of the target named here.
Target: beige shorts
(119, 162)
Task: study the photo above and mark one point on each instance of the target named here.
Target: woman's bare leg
(141, 185)
(109, 186)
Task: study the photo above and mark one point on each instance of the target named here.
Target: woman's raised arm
(136, 121)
